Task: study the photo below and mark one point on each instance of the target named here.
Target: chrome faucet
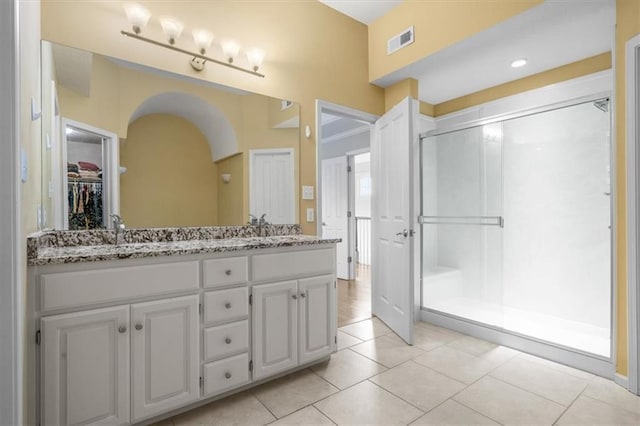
(118, 225)
(260, 223)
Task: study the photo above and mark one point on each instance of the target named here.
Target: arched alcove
(206, 117)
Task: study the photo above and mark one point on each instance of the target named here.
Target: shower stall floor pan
(572, 334)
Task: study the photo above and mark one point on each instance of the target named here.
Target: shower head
(602, 104)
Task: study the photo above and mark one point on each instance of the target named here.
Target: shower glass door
(462, 224)
(516, 228)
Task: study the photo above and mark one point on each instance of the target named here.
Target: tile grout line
(402, 399)
(569, 406)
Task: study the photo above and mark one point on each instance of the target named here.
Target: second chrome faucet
(118, 225)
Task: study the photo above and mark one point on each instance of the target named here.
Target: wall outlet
(307, 192)
(310, 214)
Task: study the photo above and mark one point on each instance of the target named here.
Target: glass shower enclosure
(516, 228)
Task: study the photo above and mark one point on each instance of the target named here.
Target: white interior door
(271, 185)
(335, 204)
(392, 280)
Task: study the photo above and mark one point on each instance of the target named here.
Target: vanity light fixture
(138, 17)
(520, 62)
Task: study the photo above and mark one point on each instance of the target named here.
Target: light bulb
(203, 39)
(255, 57)
(137, 15)
(172, 28)
(230, 49)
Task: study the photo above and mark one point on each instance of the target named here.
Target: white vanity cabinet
(123, 342)
(85, 367)
(293, 323)
(165, 355)
(95, 362)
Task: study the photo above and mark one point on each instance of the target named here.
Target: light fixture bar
(194, 54)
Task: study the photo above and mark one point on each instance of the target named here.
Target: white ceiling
(365, 11)
(550, 35)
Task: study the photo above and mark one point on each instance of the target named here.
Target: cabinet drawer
(293, 264)
(220, 272)
(82, 288)
(226, 374)
(226, 305)
(225, 340)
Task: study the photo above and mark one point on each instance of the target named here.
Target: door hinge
(348, 214)
(200, 308)
(251, 299)
(335, 283)
(250, 365)
(38, 337)
(348, 169)
(201, 381)
(335, 339)
(349, 259)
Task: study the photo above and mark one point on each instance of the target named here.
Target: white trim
(111, 163)
(11, 256)
(252, 155)
(632, 55)
(592, 364)
(529, 102)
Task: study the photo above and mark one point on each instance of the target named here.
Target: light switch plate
(307, 192)
(310, 214)
(24, 165)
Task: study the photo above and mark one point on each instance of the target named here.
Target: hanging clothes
(85, 205)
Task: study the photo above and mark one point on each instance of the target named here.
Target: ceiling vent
(403, 39)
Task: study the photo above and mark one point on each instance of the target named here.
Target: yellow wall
(627, 26)
(305, 61)
(278, 116)
(400, 90)
(170, 178)
(230, 206)
(576, 69)
(438, 24)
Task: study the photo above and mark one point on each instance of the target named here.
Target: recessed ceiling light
(519, 63)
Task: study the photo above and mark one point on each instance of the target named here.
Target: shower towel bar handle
(462, 220)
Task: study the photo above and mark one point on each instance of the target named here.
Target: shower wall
(557, 214)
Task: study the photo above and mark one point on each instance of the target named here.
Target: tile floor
(447, 378)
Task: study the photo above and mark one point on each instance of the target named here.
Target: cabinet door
(164, 355)
(275, 334)
(317, 325)
(85, 367)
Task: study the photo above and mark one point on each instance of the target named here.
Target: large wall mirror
(159, 149)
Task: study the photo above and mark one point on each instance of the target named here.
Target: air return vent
(403, 39)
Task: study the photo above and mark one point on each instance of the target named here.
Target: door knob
(138, 327)
(294, 296)
(227, 305)
(122, 329)
(228, 272)
(303, 295)
(227, 341)
(404, 233)
(227, 375)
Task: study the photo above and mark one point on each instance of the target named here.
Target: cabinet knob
(227, 341)
(227, 375)
(227, 305)
(138, 326)
(294, 296)
(122, 329)
(303, 295)
(228, 272)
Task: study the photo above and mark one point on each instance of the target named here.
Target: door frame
(329, 107)
(11, 251)
(253, 153)
(110, 163)
(632, 107)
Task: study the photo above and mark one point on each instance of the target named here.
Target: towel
(88, 166)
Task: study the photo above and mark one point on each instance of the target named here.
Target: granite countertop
(89, 253)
